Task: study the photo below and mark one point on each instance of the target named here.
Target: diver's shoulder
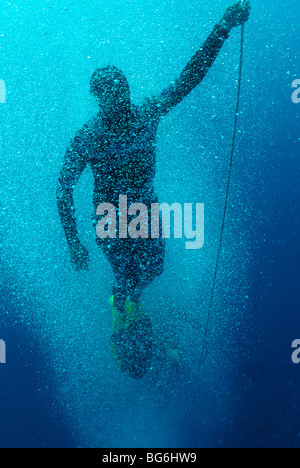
(142, 116)
(83, 142)
(146, 111)
(91, 129)
(138, 110)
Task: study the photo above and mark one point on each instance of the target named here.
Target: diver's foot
(123, 316)
(133, 309)
(132, 339)
(118, 315)
(118, 303)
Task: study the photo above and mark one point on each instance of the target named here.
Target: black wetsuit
(124, 164)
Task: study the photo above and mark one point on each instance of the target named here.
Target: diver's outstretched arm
(199, 65)
(201, 62)
(74, 164)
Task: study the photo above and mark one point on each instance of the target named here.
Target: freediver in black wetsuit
(119, 145)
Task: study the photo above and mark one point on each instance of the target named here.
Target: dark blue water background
(60, 386)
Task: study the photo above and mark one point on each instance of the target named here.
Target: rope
(206, 328)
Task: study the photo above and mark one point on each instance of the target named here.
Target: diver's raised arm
(74, 164)
(201, 62)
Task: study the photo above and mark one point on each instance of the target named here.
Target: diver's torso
(123, 164)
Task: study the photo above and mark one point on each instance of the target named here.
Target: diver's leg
(135, 263)
(125, 266)
(125, 282)
(151, 255)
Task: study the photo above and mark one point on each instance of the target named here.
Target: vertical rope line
(208, 319)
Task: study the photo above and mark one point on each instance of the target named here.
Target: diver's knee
(119, 298)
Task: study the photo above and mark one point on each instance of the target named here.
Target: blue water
(60, 386)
